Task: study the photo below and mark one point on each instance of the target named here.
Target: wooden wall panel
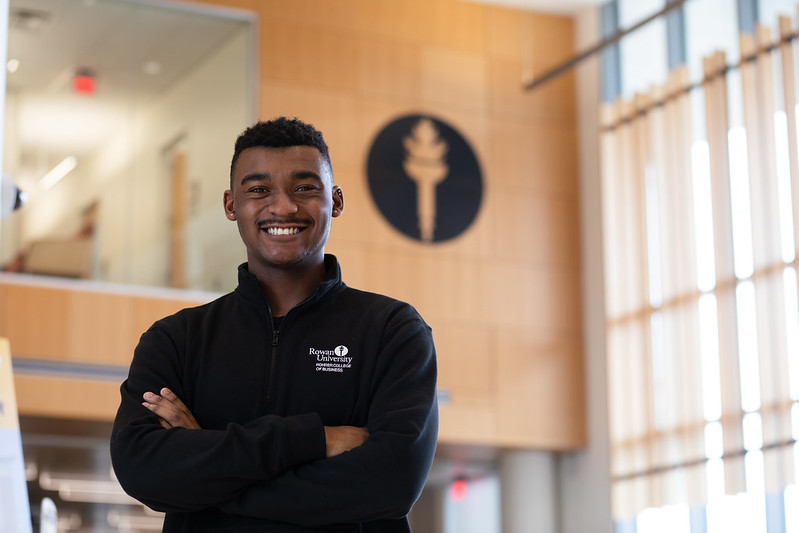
(32, 319)
(59, 397)
(309, 56)
(455, 80)
(391, 69)
(544, 168)
(81, 322)
(467, 378)
(536, 382)
(548, 224)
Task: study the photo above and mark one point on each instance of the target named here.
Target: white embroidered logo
(334, 360)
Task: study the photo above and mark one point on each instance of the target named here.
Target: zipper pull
(275, 335)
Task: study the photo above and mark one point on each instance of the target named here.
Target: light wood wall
(77, 322)
(503, 298)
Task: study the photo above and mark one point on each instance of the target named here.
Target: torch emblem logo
(425, 165)
(424, 178)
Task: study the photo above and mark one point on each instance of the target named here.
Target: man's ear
(338, 201)
(227, 203)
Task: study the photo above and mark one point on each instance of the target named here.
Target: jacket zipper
(275, 339)
(272, 365)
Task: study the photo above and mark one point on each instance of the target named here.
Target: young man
(294, 403)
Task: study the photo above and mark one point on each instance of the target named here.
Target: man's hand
(171, 411)
(340, 439)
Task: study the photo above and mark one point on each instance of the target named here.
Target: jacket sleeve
(182, 470)
(382, 478)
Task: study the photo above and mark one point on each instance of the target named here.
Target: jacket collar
(250, 291)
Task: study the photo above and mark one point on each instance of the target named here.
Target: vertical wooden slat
(761, 107)
(687, 355)
(619, 371)
(611, 245)
(668, 178)
(637, 348)
(648, 144)
(717, 124)
(791, 104)
(774, 379)
(789, 95)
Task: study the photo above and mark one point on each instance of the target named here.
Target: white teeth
(282, 231)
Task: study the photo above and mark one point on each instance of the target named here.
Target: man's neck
(284, 289)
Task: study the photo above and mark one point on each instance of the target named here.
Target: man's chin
(290, 262)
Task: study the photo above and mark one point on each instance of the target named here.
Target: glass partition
(120, 118)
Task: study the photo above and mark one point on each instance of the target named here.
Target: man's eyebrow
(304, 174)
(257, 176)
(265, 176)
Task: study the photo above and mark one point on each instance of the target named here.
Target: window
(701, 219)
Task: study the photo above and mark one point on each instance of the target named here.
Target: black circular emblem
(424, 178)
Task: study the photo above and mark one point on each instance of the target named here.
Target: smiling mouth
(274, 230)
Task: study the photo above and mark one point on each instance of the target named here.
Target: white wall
(584, 476)
(206, 110)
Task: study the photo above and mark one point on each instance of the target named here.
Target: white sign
(15, 515)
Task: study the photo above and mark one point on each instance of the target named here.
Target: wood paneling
(59, 397)
(536, 381)
(68, 322)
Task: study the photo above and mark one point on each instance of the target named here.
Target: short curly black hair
(280, 132)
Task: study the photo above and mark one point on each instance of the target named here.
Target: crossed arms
(173, 413)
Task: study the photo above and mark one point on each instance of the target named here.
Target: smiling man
(294, 403)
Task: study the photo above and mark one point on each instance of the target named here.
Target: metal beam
(604, 43)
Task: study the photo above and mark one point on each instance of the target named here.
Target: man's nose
(282, 203)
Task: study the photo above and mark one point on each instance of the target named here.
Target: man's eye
(258, 190)
(305, 188)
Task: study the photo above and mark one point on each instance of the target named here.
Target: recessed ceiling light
(153, 68)
(12, 65)
(59, 171)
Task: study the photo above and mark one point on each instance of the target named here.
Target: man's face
(283, 200)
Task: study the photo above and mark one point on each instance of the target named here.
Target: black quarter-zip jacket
(341, 357)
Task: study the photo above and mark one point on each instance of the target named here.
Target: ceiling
(133, 49)
(120, 40)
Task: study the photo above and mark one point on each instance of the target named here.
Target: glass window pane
(741, 212)
(710, 25)
(644, 54)
(769, 11)
(703, 216)
(748, 351)
(666, 519)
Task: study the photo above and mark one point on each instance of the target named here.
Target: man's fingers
(160, 405)
(169, 395)
(173, 399)
(165, 414)
(170, 409)
(152, 397)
